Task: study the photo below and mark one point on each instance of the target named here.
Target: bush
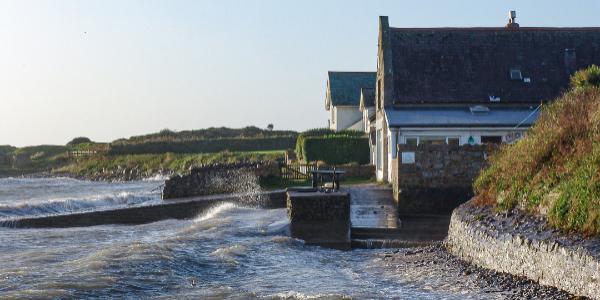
(336, 150)
(323, 132)
(79, 140)
(204, 145)
(589, 77)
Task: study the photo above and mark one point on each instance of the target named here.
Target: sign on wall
(408, 158)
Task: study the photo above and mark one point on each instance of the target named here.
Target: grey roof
(468, 65)
(367, 97)
(344, 87)
(461, 117)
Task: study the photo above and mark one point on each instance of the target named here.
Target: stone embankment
(523, 245)
(185, 208)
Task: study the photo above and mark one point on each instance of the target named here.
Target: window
(412, 141)
(491, 139)
(379, 104)
(432, 140)
(453, 141)
(379, 149)
(515, 74)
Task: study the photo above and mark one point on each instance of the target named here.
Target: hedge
(323, 132)
(336, 150)
(205, 145)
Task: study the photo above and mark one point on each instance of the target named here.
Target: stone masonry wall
(572, 267)
(219, 179)
(439, 179)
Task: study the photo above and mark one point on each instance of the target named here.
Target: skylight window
(515, 74)
(479, 109)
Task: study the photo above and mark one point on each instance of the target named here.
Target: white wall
(342, 117)
(367, 113)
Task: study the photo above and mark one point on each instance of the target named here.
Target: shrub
(316, 132)
(589, 77)
(336, 150)
(79, 140)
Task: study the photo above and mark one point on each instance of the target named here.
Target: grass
(555, 169)
(178, 163)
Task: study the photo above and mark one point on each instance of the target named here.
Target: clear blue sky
(109, 69)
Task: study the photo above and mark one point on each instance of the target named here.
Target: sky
(110, 69)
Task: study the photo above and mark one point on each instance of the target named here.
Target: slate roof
(468, 65)
(343, 88)
(461, 117)
(367, 98)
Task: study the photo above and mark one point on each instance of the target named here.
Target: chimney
(512, 24)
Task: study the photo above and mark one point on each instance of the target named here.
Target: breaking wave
(67, 205)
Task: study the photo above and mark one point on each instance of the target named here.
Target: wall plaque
(408, 158)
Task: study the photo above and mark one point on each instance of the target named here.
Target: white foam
(214, 211)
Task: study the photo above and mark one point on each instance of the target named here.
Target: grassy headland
(84, 158)
(555, 169)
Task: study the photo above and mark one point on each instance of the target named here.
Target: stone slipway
(522, 245)
(184, 208)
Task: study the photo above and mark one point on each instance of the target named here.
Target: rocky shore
(517, 243)
(434, 263)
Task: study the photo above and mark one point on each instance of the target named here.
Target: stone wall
(320, 218)
(435, 179)
(219, 179)
(568, 264)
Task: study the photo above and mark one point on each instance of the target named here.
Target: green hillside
(555, 169)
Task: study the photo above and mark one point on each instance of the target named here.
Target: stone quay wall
(219, 179)
(435, 179)
(320, 218)
(541, 258)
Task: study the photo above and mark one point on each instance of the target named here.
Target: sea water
(229, 251)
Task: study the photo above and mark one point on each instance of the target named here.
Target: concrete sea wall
(515, 245)
(185, 208)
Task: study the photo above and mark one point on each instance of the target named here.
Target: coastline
(436, 263)
(523, 245)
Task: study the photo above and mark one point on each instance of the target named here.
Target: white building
(342, 100)
(469, 85)
(367, 107)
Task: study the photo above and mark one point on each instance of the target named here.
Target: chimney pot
(512, 24)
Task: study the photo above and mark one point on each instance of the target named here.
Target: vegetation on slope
(151, 163)
(206, 141)
(86, 158)
(206, 134)
(555, 169)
